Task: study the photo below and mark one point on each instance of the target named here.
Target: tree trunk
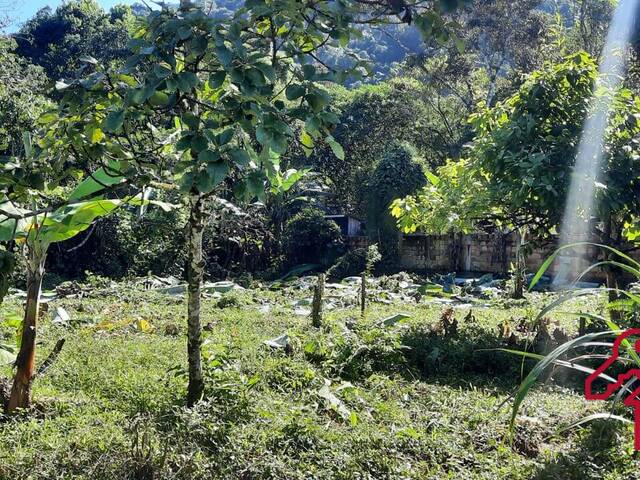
(25, 361)
(195, 275)
(610, 271)
(316, 306)
(518, 276)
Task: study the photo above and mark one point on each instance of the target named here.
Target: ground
(359, 399)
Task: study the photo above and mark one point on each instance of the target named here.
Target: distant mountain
(383, 46)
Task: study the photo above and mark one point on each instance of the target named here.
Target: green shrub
(350, 264)
(309, 237)
(354, 262)
(398, 174)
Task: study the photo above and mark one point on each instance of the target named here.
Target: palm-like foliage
(597, 344)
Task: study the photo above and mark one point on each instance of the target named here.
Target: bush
(354, 262)
(398, 174)
(350, 264)
(310, 238)
(125, 244)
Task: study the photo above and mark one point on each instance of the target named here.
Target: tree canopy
(58, 39)
(518, 168)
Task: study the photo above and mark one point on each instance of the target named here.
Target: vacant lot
(360, 398)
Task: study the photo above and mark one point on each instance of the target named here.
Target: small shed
(349, 226)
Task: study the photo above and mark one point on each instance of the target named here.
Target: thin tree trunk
(610, 272)
(195, 275)
(25, 361)
(316, 306)
(363, 294)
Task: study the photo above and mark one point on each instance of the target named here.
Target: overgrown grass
(348, 401)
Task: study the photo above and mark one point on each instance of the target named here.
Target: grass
(348, 402)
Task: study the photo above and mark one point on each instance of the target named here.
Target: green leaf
(224, 55)
(159, 99)
(70, 220)
(161, 71)
(198, 45)
(209, 156)
(217, 79)
(336, 148)
(225, 137)
(113, 121)
(307, 143)
(263, 136)
(550, 359)
(96, 135)
(239, 156)
(591, 418)
(190, 120)
(98, 181)
(255, 184)
(267, 70)
(187, 81)
(184, 32)
(47, 117)
(184, 142)
(317, 101)
(433, 179)
(199, 143)
(547, 263)
(26, 143)
(294, 91)
(218, 171)
(214, 174)
(309, 71)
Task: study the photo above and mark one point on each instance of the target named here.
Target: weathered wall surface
(494, 253)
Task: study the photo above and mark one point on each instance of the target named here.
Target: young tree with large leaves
(226, 94)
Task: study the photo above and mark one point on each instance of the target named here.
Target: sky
(21, 10)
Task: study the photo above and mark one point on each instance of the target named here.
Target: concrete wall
(477, 253)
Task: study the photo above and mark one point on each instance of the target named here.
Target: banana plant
(33, 231)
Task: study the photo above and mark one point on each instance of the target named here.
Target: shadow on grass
(600, 449)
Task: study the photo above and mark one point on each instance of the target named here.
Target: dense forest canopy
(419, 91)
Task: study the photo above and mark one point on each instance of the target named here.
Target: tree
(58, 40)
(518, 169)
(588, 21)
(503, 38)
(308, 237)
(399, 173)
(209, 104)
(21, 97)
(371, 117)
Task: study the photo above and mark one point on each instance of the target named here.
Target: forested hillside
(420, 93)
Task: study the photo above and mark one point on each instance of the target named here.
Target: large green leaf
(72, 219)
(98, 181)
